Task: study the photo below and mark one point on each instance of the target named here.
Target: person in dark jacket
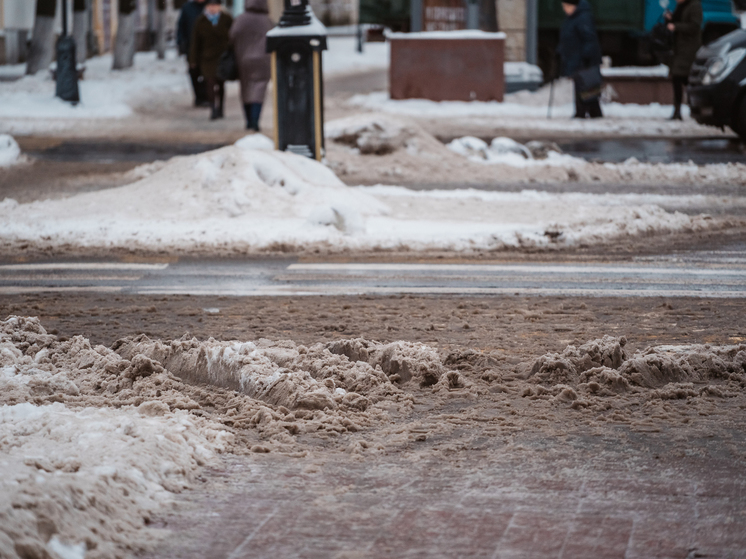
(579, 49)
(190, 11)
(686, 24)
(210, 39)
(249, 38)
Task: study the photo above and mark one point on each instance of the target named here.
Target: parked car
(717, 83)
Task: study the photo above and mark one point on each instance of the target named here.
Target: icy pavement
(707, 277)
(581, 449)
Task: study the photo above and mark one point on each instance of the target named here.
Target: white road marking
(67, 277)
(495, 268)
(82, 266)
(275, 291)
(20, 290)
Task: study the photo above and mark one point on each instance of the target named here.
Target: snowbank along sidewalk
(526, 110)
(240, 199)
(29, 105)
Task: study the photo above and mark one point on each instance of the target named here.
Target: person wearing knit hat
(210, 39)
(579, 51)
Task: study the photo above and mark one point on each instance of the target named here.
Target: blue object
(713, 11)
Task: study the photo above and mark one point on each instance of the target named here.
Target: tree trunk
(488, 15)
(124, 45)
(80, 30)
(160, 29)
(41, 53)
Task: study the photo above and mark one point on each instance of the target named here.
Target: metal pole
(472, 14)
(64, 18)
(415, 16)
(532, 31)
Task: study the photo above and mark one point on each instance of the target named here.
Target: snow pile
(81, 476)
(242, 197)
(406, 152)
(604, 368)
(256, 141)
(505, 151)
(379, 134)
(10, 152)
(241, 200)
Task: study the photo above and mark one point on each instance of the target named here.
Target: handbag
(661, 43)
(227, 69)
(588, 83)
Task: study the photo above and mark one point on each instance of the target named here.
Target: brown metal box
(641, 90)
(448, 66)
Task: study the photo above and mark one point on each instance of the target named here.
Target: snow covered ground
(29, 103)
(67, 467)
(10, 152)
(530, 110)
(248, 200)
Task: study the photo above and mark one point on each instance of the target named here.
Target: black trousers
(678, 91)
(215, 94)
(198, 84)
(587, 108)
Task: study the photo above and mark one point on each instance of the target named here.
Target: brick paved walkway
(574, 498)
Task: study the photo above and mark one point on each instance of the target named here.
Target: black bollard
(296, 46)
(67, 72)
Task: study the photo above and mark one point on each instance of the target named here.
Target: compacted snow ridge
(94, 440)
(244, 198)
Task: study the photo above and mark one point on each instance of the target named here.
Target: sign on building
(443, 15)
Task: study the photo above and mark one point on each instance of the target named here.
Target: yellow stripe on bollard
(317, 101)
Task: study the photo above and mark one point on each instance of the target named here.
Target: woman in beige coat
(248, 36)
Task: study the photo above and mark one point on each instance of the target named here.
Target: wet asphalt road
(699, 274)
(700, 151)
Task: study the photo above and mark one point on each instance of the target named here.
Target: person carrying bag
(580, 56)
(249, 39)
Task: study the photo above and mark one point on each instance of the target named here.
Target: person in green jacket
(210, 39)
(686, 24)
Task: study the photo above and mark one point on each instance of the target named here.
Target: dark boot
(255, 110)
(247, 114)
(676, 114)
(216, 113)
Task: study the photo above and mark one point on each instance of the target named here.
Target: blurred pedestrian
(248, 36)
(686, 25)
(210, 40)
(190, 11)
(579, 51)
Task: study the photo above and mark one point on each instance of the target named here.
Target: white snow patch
(249, 200)
(256, 141)
(10, 152)
(660, 71)
(453, 35)
(343, 58)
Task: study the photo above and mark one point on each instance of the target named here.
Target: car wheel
(739, 124)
